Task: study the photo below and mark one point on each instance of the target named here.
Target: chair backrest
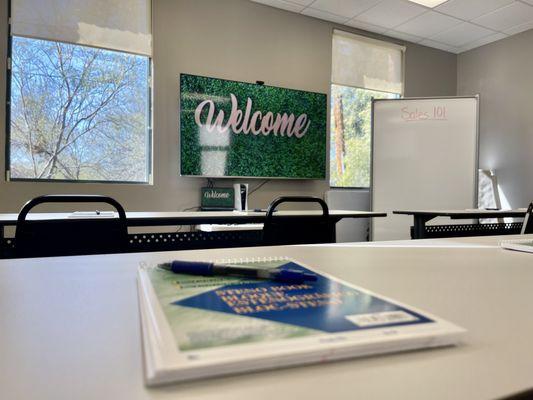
(527, 225)
(62, 237)
(280, 230)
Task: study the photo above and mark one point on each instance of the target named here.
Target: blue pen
(210, 269)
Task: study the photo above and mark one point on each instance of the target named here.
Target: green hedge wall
(250, 155)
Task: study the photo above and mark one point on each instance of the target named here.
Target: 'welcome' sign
(236, 129)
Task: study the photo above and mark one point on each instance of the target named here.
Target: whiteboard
(424, 157)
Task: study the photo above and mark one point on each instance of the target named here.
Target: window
(79, 106)
(77, 113)
(363, 69)
(350, 135)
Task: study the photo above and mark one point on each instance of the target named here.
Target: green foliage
(247, 154)
(357, 104)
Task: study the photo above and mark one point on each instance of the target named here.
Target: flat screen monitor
(237, 129)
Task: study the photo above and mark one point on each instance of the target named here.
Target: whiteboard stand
(424, 156)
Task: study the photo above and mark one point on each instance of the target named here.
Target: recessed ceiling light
(429, 3)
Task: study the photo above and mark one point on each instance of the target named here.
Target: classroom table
(70, 325)
(171, 218)
(156, 241)
(421, 231)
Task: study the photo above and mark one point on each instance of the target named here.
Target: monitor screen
(238, 129)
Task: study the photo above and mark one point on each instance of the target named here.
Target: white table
(70, 326)
(452, 242)
(157, 218)
(146, 225)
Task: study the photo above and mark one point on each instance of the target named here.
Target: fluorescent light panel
(429, 3)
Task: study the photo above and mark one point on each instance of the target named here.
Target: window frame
(400, 96)
(149, 118)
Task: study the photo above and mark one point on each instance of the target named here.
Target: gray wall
(429, 72)
(501, 73)
(232, 39)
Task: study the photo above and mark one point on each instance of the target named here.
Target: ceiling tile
(462, 34)
(440, 46)
(367, 27)
(428, 24)
(507, 17)
(481, 42)
(470, 9)
(302, 2)
(391, 13)
(519, 28)
(324, 15)
(284, 5)
(403, 36)
(445, 28)
(346, 8)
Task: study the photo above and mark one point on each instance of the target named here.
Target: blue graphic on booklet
(324, 305)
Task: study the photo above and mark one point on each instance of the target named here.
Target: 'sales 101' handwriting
(437, 113)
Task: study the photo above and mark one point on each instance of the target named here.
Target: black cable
(179, 228)
(191, 208)
(258, 187)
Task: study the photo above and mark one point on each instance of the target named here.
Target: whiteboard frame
(476, 166)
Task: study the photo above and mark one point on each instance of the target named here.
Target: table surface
(70, 325)
(142, 218)
(467, 214)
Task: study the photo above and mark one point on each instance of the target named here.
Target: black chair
(527, 225)
(65, 237)
(281, 230)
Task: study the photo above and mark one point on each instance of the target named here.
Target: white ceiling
(455, 26)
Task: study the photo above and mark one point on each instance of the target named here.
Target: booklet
(195, 326)
(525, 245)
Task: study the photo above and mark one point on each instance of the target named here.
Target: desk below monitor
(146, 233)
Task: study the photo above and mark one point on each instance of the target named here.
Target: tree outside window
(78, 113)
(350, 145)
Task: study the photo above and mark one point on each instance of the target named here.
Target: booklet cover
(199, 323)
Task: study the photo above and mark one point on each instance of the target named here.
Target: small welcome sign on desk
(237, 129)
(217, 199)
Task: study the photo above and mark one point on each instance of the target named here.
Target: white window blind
(367, 63)
(123, 25)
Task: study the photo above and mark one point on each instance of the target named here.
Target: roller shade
(367, 63)
(123, 25)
